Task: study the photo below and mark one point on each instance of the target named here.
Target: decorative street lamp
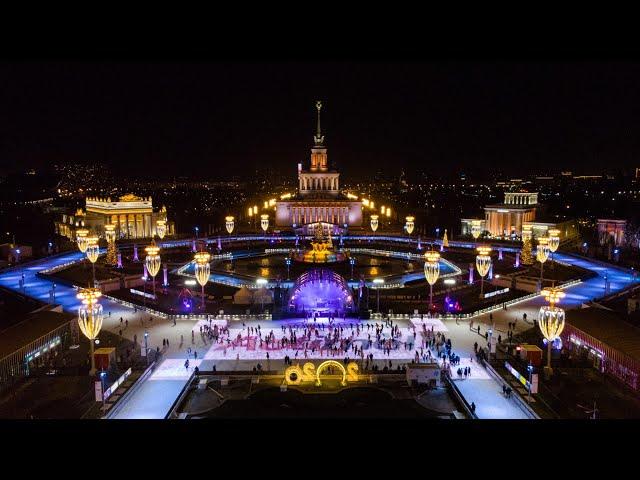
(90, 319)
(92, 253)
(288, 262)
(551, 320)
(476, 228)
(81, 239)
(264, 222)
(110, 234)
(229, 223)
(431, 272)
(374, 222)
(152, 262)
(378, 282)
(483, 264)
(410, 225)
(542, 254)
(161, 228)
(203, 270)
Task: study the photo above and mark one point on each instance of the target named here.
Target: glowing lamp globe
(161, 228)
(93, 249)
(152, 260)
(90, 312)
(202, 268)
(229, 223)
(374, 223)
(542, 252)
(483, 260)
(432, 267)
(554, 239)
(476, 228)
(264, 221)
(551, 318)
(410, 225)
(81, 239)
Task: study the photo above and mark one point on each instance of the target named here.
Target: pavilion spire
(318, 138)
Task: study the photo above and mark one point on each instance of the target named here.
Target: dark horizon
(226, 119)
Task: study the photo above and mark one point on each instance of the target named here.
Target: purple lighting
(320, 290)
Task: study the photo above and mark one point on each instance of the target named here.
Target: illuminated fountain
(321, 251)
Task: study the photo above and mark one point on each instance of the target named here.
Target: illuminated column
(119, 260)
(499, 254)
(135, 253)
(490, 274)
(419, 244)
(470, 273)
(145, 275)
(165, 275)
(193, 245)
(517, 264)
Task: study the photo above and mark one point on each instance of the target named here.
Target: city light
(161, 228)
(81, 239)
(202, 270)
(264, 222)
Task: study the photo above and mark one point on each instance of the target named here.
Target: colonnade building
(318, 200)
(132, 216)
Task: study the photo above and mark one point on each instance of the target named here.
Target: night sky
(226, 119)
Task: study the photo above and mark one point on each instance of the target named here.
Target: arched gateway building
(318, 202)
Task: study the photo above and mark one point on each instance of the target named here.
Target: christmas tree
(526, 258)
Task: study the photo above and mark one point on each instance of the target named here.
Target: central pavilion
(319, 204)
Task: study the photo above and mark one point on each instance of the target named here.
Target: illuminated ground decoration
(295, 375)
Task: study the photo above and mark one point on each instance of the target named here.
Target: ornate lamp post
(90, 319)
(81, 239)
(152, 261)
(476, 229)
(110, 234)
(431, 272)
(542, 254)
(483, 264)
(229, 223)
(551, 320)
(410, 225)
(264, 222)
(161, 228)
(203, 271)
(288, 262)
(374, 223)
(92, 253)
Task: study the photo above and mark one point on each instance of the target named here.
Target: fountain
(322, 251)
